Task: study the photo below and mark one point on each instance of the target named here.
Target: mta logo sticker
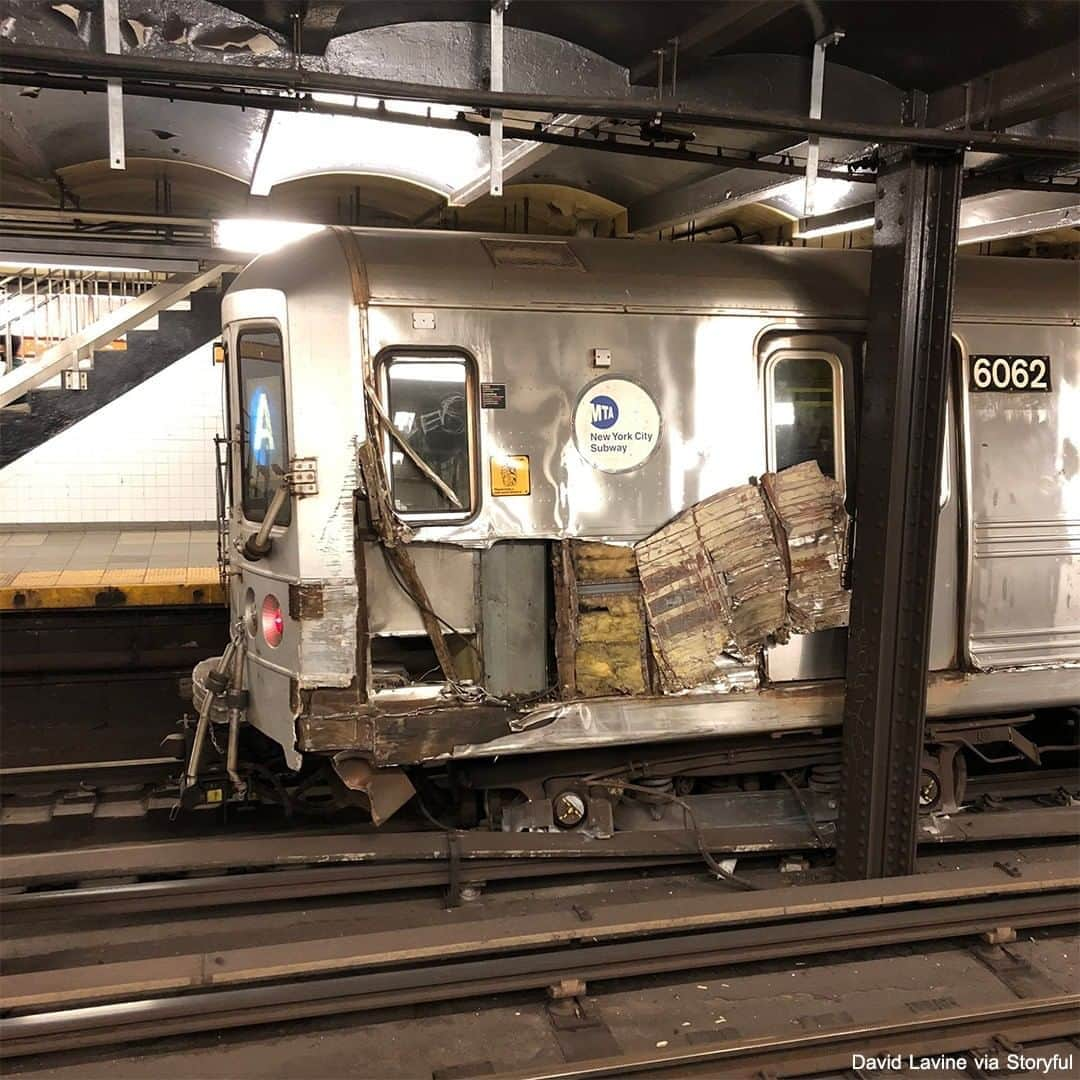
(605, 413)
(616, 424)
(261, 426)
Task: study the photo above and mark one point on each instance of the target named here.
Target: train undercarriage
(971, 764)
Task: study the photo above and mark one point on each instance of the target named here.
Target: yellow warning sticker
(510, 474)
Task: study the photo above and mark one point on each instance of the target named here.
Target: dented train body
(547, 495)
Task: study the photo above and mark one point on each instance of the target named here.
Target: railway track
(244, 869)
(245, 854)
(103, 1002)
(1017, 1024)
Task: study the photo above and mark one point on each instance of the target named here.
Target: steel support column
(898, 475)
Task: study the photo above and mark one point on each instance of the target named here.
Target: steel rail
(624, 921)
(449, 977)
(297, 849)
(269, 886)
(1021, 1022)
(64, 62)
(125, 771)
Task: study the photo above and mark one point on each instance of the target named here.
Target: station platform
(63, 568)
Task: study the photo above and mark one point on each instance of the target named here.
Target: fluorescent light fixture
(848, 219)
(299, 145)
(807, 231)
(102, 266)
(256, 236)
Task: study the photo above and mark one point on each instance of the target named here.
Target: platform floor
(61, 568)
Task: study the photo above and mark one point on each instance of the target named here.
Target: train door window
(264, 436)
(429, 399)
(805, 412)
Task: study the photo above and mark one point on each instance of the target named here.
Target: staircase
(46, 411)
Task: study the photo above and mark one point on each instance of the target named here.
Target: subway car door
(810, 384)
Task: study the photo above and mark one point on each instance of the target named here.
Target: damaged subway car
(506, 515)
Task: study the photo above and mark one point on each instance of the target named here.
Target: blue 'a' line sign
(261, 427)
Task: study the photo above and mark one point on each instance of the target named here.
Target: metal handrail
(87, 330)
(52, 304)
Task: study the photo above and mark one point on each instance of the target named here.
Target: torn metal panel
(809, 508)
(687, 621)
(738, 538)
(570, 725)
(714, 583)
(381, 791)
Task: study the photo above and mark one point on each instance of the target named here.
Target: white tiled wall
(147, 456)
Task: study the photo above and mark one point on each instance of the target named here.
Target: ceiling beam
(719, 32)
(303, 81)
(1025, 90)
(1037, 88)
(1023, 224)
(608, 141)
(722, 192)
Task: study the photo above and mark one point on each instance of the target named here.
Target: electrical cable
(810, 819)
(467, 693)
(430, 817)
(710, 861)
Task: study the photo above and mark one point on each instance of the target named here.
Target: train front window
(264, 436)
(804, 392)
(427, 398)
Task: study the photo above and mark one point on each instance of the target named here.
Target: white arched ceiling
(263, 149)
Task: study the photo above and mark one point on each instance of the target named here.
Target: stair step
(45, 413)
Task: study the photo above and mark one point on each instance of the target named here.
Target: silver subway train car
(446, 450)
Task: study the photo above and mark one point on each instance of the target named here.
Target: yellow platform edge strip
(110, 595)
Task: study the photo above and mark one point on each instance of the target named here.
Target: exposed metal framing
(115, 92)
(817, 87)
(897, 484)
(495, 77)
(31, 61)
(561, 131)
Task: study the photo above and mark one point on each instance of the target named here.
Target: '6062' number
(1010, 374)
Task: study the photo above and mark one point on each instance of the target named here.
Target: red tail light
(273, 622)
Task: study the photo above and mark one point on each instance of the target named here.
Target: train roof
(431, 268)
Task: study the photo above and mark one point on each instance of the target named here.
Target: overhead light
(840, 221)
(299, 145)
(103, 265)
(831, 230)
(256, 236)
